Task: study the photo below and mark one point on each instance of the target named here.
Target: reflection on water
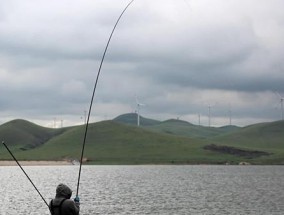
(149, 189)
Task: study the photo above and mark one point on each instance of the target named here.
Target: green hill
(263, 135)
(170, 141)
(267, 137)
(183, 128)
(25, 134)
(112, 142)
(174, 126)
(131, 119)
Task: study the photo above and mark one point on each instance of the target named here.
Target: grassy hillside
(171, 141)
(263, 135)
(111, 142)
(25, 134)
(183, 128)
(175, 126)
(267, 137)
(131, 119)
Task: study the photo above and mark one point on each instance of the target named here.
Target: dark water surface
(149, 189)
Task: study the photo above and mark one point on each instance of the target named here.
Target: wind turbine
(281, 101)
(230, 114)
(209, 113)
(138, 110)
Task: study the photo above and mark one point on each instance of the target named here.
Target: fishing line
(94, 90)
(25, 173)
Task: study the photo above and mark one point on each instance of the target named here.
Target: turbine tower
(281, 102)
(230, 114)
(209, 113)
(138, 110)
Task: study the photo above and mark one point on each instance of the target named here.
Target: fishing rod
(3, 142)
(94, 90)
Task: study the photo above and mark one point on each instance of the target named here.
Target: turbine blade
(278, 94)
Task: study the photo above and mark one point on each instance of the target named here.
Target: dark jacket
(62, 204)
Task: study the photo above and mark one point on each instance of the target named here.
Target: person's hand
(77, 199)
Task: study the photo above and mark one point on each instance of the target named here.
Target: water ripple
(166, 190)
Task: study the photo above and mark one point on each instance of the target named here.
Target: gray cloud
(176, 56)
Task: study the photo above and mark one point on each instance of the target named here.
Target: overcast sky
(178, 56)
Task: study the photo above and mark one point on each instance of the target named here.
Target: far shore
(35, 163)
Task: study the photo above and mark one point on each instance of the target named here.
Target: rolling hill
(26, 134)
(120, 141)
(131, 119)
(175, 126)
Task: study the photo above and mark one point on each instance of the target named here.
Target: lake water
(161, 189)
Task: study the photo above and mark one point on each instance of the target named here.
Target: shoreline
(4, 163)
(35, 163)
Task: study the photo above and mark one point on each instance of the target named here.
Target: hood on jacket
(63, 190)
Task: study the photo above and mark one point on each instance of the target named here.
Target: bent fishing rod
(93, 95)
(3, 142)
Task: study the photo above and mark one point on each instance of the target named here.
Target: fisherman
(62, 204)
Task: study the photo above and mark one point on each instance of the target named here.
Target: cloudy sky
(179, 57)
